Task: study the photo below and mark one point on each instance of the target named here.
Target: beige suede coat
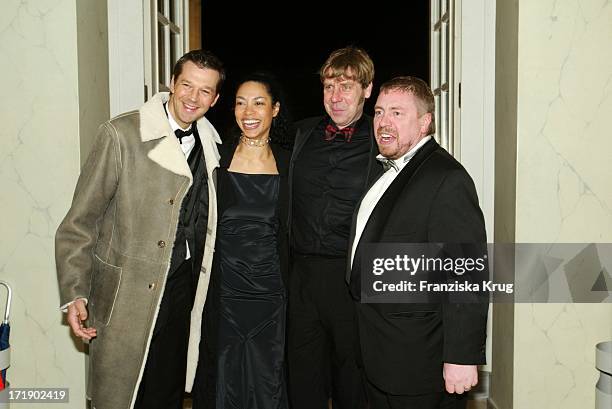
(114, 245)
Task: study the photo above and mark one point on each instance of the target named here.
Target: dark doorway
(293, 39)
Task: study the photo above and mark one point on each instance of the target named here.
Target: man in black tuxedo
(421, 356)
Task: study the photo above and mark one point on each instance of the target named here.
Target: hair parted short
(203, 59)
(421, 91)
(348, 58)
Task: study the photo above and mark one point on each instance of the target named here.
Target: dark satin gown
(251, 340)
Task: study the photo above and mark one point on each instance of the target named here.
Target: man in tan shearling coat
(134, 251)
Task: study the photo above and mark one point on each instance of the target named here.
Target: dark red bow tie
(332, 133)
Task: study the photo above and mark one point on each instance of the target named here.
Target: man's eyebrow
(392, 108)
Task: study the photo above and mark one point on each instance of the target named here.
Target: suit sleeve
(456, 218)
(77, 234)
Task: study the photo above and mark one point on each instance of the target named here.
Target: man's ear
(172, 85)
(425, 120)
(368, 90)
(215, 101)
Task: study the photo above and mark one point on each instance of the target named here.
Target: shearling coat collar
(167, 153)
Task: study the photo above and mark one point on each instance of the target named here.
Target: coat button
(161, 244)
(151, 286)
(171, 201)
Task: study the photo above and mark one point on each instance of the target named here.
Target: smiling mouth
(190, 108)
(250, 123)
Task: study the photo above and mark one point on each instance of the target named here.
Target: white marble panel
(565, 89)
(39, 163)
(564, 168)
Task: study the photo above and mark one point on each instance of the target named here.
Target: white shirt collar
(405, 158)
(188, 142)
(173, 124)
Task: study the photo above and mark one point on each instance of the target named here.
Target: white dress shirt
(371, 198)
(188, 142)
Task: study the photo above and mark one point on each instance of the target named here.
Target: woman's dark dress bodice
(247, 239)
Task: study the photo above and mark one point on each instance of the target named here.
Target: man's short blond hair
(349, 59)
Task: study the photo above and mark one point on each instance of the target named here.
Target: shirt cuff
(64, 308)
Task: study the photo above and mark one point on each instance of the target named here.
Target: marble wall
(563, 191)
(42, 112)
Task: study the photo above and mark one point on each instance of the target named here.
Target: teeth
(251, 123)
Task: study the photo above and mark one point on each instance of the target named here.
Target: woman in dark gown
(242, 352)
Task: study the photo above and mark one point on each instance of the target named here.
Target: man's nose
(383, 119)
(336, 96)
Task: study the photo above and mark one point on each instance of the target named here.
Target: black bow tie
(180, 134)
(388, 164)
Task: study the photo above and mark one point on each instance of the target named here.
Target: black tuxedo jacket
(404, 346)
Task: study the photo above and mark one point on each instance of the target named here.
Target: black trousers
(163, 382)
(321, 342)
(379, 399)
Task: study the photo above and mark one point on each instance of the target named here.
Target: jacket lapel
(303, 134)
(210, 139)
(282, 166)
(167, 153)
(377, 221)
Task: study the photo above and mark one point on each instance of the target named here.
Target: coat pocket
(104, 288)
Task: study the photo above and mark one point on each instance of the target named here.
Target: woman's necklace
(254, 142)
